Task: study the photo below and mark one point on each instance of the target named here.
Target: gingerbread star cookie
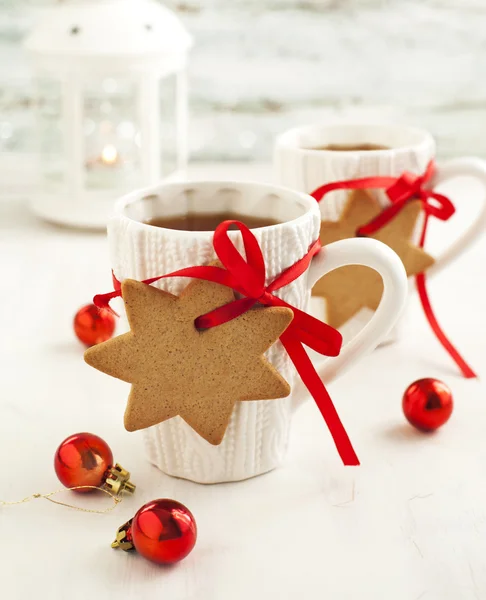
(349, 289)
(176, 369)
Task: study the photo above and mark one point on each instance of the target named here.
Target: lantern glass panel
(51, 135)
(168, 124)
(17, 122)
(112, 139)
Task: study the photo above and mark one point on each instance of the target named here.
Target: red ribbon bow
(247, 277)
(400, 190)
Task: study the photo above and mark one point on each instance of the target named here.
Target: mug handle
(461, 167)
(381, 258)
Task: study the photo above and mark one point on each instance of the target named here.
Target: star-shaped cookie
(176, 369)
(349, 289)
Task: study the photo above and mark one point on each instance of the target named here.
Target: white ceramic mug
(303, 167)
(256, 439)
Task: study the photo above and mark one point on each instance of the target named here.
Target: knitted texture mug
(257, 436)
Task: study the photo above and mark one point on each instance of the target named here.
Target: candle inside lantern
(109, 155)
(107, 167)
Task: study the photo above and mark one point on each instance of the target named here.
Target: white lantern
(112, 104)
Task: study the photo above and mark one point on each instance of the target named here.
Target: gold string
(116, 499)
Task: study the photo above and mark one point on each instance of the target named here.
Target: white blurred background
(260, 66)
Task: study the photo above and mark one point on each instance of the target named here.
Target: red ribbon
(401, 190)
(247, 277)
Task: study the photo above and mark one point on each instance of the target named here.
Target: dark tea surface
(208, 222)
(350, 148)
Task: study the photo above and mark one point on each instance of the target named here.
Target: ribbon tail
(313, 383)
(102, 301)
(315, 334)
(436, 328)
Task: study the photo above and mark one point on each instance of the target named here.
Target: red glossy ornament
(84, 459)
(93, 326)
(163, 531)
(427, 404)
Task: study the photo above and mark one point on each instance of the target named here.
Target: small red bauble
(93, 326)
(84, 459)
(427, 404)
(163, 531)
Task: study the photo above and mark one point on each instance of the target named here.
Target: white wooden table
(409, 524)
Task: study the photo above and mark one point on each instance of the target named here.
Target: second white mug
(311, 156)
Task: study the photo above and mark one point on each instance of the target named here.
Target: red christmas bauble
(83, 459)
(163, 531)
(93, 326)
(427, 404)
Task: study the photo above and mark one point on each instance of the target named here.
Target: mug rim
(285, 139)
(311, 207)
